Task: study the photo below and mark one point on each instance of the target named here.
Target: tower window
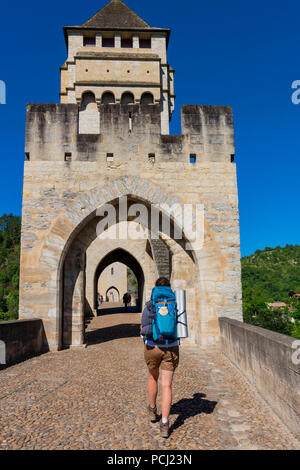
(127, 98)
(112, 271)
(108, 98)
(126, 43)
(147, 98)
(232, 158)
(27, 156)
(68, 157)
(192, 158)
(145, 43)
(89, 41)
(109, 157)
(108, 42)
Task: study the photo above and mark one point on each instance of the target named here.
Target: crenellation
(54, 130)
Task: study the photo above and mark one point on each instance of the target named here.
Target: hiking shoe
(152, 414)
(164, 429)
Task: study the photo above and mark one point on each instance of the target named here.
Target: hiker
(161, 349)
(126, 300)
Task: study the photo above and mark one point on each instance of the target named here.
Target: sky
(243, 54)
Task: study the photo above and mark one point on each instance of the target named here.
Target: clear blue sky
(227, 52)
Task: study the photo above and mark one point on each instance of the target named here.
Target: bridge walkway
(95, 398)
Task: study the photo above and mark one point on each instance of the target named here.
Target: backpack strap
(155, 322)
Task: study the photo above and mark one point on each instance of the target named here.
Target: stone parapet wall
(21, 339)
(52, 130)
(269, 361)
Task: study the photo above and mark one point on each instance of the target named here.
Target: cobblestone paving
(95, 398)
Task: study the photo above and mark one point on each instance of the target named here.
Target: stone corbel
(98, 101)
(78, 101)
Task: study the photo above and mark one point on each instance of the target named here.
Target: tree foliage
(10, 234)
(132, 283)
(268, 276)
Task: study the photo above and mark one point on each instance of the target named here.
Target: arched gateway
(75, 174)
(131, 262)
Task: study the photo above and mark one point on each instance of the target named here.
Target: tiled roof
(276, 304)
(116, 15)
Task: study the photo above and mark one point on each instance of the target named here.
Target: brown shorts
(167, 358)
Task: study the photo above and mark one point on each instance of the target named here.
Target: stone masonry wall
(20, 340)
(266, 359)
(116, 279)
(59, 195)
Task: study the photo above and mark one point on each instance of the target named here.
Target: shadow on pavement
(188, 407)
(110, 311)
(125, 330)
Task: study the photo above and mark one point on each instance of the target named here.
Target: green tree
(10, 234)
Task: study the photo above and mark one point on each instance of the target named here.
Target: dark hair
(162, 281)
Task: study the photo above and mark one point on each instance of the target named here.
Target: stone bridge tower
(106, 144)
(116, 58)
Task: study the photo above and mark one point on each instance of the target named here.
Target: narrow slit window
(68, 157)
(130, 123)
(232, 158)
(27, 156)
(151, 158)
(192, 158)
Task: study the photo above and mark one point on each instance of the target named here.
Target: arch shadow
(102, 335)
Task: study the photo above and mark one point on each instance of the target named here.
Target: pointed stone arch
(73, 224)
(115, 289)
(124, 256)
(68, 224)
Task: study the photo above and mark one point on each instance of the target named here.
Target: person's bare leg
(166, 389)
(153, 386)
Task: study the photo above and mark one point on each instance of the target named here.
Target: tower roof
(116, 15)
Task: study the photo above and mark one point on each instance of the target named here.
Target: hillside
(272, 273)
(268, 276)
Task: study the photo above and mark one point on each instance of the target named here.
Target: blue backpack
(164, 321)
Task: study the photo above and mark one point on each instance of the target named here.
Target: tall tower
(116, 57)
(108, 141)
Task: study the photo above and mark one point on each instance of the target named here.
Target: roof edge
(90, 28)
